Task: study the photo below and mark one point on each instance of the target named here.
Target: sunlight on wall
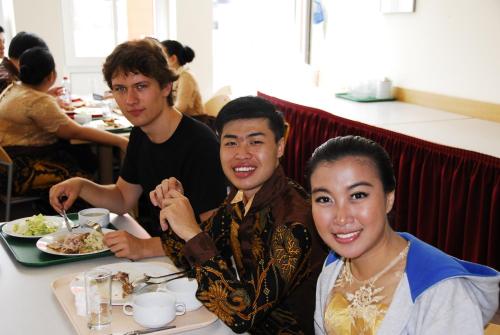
(256, 45)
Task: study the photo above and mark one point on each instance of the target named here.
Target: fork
(94, 225)
(67, 221)
(139, 287)
(147, 278)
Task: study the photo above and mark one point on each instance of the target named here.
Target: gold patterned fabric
(29, 117)
(359, 306)
(36, 169)
(249, 265)
(186, 93)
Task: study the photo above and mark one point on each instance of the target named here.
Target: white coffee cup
(154, 309)
(83, 118)
(99, 215)
(184, 290)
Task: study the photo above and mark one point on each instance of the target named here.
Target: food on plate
(79, 243)
(126, 285)
(111, 123)
(35, 226)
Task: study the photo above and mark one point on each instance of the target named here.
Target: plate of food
(124, 274)
(35, 226)
(81, 241)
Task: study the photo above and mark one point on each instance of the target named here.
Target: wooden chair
(8, 199)
(215, 104)
(492, 329)
(224, 90)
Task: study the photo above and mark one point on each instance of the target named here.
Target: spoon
(95, 226)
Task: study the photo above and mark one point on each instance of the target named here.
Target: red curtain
(447, 197)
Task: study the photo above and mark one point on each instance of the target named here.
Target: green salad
(34, 226)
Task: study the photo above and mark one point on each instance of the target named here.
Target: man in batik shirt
(252, 256)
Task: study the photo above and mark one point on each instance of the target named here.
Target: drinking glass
(98, 298)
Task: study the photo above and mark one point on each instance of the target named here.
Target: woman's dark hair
(144, 56)
(35, 65)
(251, 107)
(343, 146)
(184, 53)
(24, 41)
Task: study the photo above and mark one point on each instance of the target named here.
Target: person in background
(2, 43)
(163, 143)
(32, 125)
(186, 93)
(252, 258)
(9, 68)
(375, 280)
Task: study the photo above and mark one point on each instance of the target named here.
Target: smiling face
(350, 207)
(249, 153)
(140, 98)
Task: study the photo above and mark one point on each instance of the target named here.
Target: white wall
(448, 47)
(194, 25)
(43, 18)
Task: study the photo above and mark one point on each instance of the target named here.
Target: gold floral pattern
(256, 261)
(215, 299)
(286, 250)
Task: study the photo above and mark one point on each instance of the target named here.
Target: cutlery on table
(141, 283)
(70, 225)
(149, 330)
(67, 221)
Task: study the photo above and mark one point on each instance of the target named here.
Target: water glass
(98, 298)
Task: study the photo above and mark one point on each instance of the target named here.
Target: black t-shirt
(191, 155)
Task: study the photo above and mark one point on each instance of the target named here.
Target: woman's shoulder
(428, 266)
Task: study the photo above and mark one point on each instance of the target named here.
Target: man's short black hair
(251, 107)
(1, 30)
(24, 41)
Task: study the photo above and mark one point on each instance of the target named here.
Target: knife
(149, 330)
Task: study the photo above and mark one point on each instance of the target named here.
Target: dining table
(28, 304)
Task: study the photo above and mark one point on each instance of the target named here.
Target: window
(92, 28)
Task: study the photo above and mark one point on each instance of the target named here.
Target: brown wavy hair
(145, 56)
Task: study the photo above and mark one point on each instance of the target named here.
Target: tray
(120, 322)
(348, 96)
(26, 252)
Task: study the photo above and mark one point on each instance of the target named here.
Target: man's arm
(243, 299)
(118, 198)
(240, 302)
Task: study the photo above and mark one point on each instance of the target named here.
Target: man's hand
(159, 194)
(178, 214)
(125, 245)
(56, 91)
(70, 188)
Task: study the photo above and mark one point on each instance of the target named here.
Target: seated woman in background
(32, 125)
(186, 93)
(375, 280)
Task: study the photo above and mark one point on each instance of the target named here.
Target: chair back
(7, 198)
(215, 104)
(492, 329)
(224, 90)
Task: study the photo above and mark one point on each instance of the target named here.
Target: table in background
(447, 196)
(28, 305)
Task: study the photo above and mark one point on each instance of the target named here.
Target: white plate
(51, 220)
(59, 235)
(135, 271)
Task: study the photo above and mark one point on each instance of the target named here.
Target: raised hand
(160, 192)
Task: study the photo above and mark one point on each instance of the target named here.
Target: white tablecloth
(27, 304)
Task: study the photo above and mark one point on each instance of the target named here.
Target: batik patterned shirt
(248, 264)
